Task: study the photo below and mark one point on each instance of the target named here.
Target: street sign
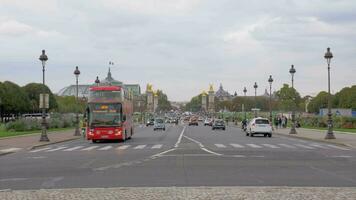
(44, 101)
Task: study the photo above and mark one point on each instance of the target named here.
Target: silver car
(159, 124)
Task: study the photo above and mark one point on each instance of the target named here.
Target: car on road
(159, 124)
(208, 122)
(260, 126)
(193, 121)
(218, 124)
(150, 122)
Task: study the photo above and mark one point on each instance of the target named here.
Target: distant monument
(149, 93)
(211, 93)
(155, 101)
(204, 101)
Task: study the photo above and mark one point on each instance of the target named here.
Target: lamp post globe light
(255, 86)
(330, 134)
(97, 81)
(245, 90)
(270, 81)
(77, 73)
(292, 130)
(44, 138)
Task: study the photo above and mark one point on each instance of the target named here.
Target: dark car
(150, 122)
(219, 124)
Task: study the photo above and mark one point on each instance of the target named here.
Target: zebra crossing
(311, 146)
(96, 148)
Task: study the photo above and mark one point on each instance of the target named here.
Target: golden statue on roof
(204, 93)
(149, 88)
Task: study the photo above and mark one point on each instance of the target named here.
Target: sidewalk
(17, 143)
(319, 135)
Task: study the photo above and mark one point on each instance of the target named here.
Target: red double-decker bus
(109, 114)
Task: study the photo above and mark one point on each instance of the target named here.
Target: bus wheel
(124, 136)
(94, 141)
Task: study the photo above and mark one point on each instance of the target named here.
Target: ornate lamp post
(77, 73)
(97, 81)
(255, 86)
(292, 130)
(44, 138)
(245, 90)
(330, 134)
(270, 81)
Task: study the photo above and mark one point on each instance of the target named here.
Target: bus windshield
(105, 114)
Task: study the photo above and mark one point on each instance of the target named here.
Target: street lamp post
(77, 73)
(44, 138)
(292, 130)
(97, 81)
(255, 86)
(245, 90)
(330, 133)
(270, 80)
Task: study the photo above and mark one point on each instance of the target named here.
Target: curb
(30, 134)
(316, 140)
(46, 144)
(6, 153)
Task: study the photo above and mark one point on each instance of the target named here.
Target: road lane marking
(287, 145)
(199, 143)
(164, 152)
(212, 152)
(337, 147)
(237, 145)
(38, 150)
(304, 146)
(140, 146)
(319, 146)
(123, 147)
(157, 146)
(271, 146)
(253, 146)
(180, 137)
(105, 148)
(10, 150)
(342, 156)
(73, 148)
(90, 148)
(56, 149)
(220, 145)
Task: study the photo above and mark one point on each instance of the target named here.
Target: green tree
(33, 91)
(288, 98)
(320, 101)
(195, 104)
(13, 99)
(346, 98)
(163, 103)
(69, 104)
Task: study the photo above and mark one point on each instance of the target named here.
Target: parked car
(159, 124)
(259, 126)
(208, 122)
(150, 122)
(193, 121)
(219, 124)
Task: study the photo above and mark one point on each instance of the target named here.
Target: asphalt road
(181, 156)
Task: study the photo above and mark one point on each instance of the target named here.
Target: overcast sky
(180, 46)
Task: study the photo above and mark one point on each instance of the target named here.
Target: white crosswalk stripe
(220, 145)
(140, 146)
(73, 148)
(56, 149)
(337, 147)
(319, 146)
(105, 148)
(253, 146)
(157, 146)
(271, 146)
(237, 145)
(287, 146)
(38, 150)
(90, 148)
(304, 146)
(13, 149)
(123, 147)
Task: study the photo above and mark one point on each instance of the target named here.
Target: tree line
(16, 100)
(285, 99)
